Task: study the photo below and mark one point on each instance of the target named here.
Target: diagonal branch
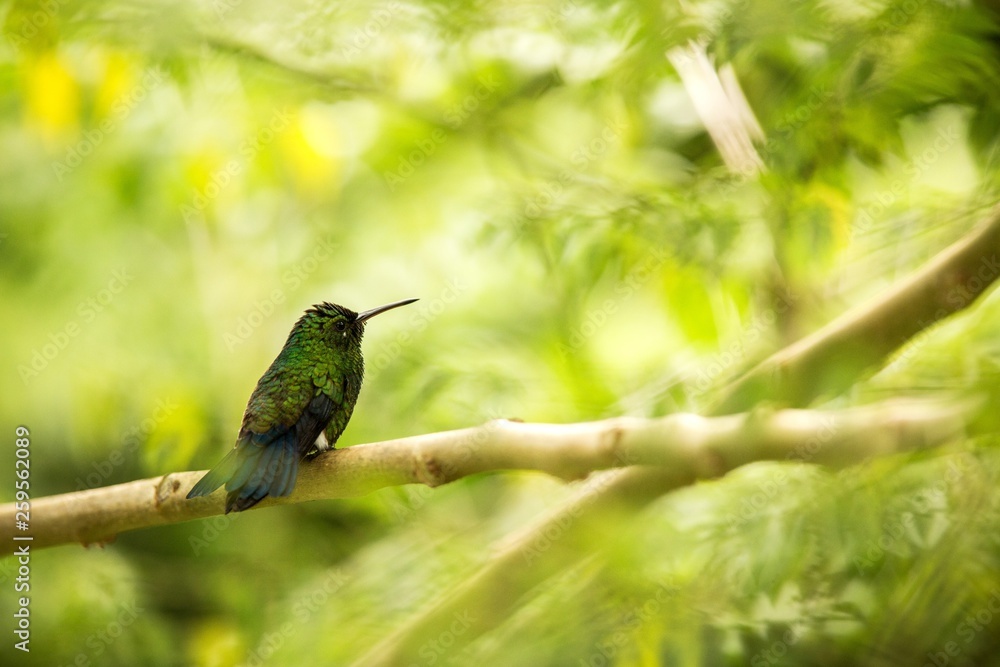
(837, 355)
(687, 445)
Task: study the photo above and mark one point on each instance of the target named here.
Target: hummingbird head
(341, 326)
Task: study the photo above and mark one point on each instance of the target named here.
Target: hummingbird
(299, 407)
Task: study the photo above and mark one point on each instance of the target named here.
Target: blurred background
(605, 208)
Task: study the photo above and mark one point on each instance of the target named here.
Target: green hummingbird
(299, 408)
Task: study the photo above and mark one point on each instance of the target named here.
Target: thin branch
(836, 356)
(695, 447)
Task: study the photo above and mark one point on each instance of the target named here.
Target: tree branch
(697, 447)
(834, 357)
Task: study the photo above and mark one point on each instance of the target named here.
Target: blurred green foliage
(180, 180)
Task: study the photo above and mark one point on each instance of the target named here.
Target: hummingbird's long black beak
(368, 314)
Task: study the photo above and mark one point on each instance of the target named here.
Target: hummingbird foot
(321, 445)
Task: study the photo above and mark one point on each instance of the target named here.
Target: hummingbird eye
(340, 325)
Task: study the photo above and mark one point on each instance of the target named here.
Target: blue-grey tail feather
(268, 474)
(250, 459)
(288, 468)
(251, 472)
(217, 476)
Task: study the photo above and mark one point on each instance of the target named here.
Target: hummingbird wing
(283, 418)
